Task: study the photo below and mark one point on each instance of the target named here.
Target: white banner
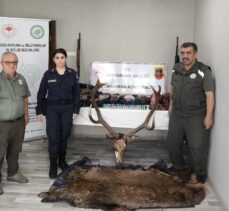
(123, 118)
(29, 39)
(128, 78)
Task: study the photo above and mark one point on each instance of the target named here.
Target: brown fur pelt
(109, 188)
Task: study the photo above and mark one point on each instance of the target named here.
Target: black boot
(53, 168)
(62, 163)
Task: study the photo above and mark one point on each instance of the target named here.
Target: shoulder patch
(20, 81)
(201, 73)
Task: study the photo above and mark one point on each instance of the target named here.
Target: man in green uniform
(191, 112)
(14, 94)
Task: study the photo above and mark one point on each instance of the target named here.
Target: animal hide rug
(89, 186)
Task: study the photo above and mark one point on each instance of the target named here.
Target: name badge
(52, 81)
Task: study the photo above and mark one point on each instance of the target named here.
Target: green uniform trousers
(11, 138)
(197, 137)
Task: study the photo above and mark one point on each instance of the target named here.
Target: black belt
(13, 120)
(59, 102)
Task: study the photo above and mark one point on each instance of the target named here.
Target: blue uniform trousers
(58, 128)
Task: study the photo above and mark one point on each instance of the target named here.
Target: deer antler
(100, 118)
(145, 123)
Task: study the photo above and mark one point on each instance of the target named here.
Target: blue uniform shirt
(55, 87)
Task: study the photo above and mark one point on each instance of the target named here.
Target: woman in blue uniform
(58, 99)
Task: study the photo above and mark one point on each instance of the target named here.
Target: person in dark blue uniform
(58, 99)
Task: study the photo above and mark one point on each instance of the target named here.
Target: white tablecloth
(123, 118)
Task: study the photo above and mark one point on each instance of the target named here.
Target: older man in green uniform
(191, 111)
(14, 94)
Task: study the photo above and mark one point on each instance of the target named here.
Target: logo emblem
(193, 76)
(8, 31)
(37, 32)
(20, 81)
(159, 72)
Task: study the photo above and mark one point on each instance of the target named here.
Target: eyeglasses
(9, 63)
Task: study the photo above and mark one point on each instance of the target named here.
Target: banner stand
(29, 39)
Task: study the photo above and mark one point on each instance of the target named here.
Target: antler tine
(144, 124)
(90, 116)
(100, 118)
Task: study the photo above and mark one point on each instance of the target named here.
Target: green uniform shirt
(12, 94)
(189, 89)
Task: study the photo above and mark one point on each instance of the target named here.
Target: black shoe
(53, 168)
(62, 163)
(52, 173)
(201, 178)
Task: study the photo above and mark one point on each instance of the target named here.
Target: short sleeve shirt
(12, 94)
(208, 82)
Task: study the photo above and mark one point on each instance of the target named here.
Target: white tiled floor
(34, 164)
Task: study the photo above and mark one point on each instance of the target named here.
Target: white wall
(211, 33)
(145, 31)
(113, 30)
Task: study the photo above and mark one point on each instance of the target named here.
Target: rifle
(78, 55)
(177, 58)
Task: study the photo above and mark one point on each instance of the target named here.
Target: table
(123, 118)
